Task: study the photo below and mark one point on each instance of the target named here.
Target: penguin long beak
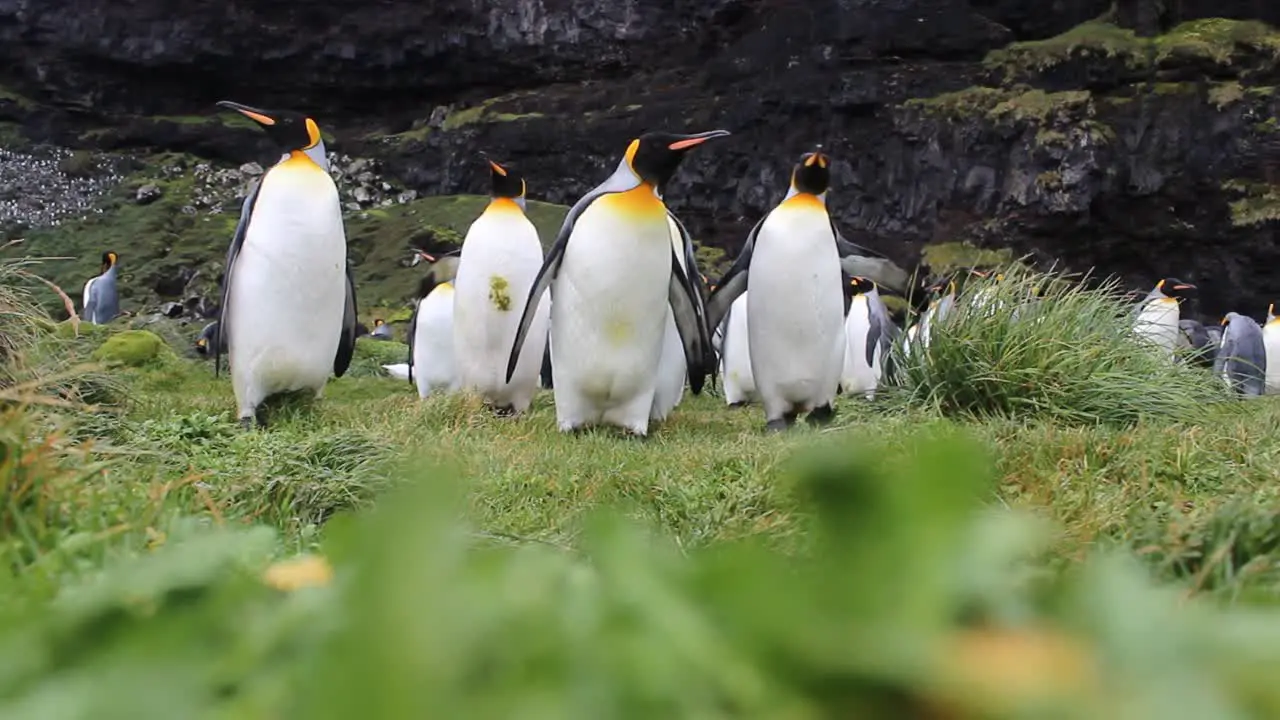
(687, 141)
(498, 168)
(254, 114)
(816, 157)
(1184, 286)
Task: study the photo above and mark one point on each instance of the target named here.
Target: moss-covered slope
(171, 252)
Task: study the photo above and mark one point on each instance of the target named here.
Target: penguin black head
(504, 181)
(290, 130)
(812, 174)
(1175, 288)
(654, 156)
(942, 286)
(419, 256)
(860, 285)
(109, 259)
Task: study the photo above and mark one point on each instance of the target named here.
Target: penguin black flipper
(874, 330)
(347, 338)
(413, 333)
(690, 325)
(550, 267)
(734, 282)
(692, 284)
(233, 252)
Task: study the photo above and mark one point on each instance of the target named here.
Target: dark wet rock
(1145, 158)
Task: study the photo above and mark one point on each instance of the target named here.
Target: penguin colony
(616, 319)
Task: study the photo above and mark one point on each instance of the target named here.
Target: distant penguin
(381, 330)
(1159, 313)
(795, 309)
(209, 341)
(870, 333)
(1242, 357)
(1194, 338)
(288, 301)
(501, 256)
(612, 274)
(941, 306)
(735, 355)
(1271, 340)
(432, 367)
(399, 371)
(101, 298)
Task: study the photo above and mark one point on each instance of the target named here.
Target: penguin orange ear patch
(313, 132)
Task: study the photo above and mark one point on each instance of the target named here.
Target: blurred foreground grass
(375, 555)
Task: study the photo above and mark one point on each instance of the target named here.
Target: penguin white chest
(1158, 322)
(796, 308)
(1271, 342)
(859, 376)
(739, 383)
(434, 362)
(608, 309)
(501, 256)
(288, 286)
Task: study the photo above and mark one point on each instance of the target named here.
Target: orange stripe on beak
(687, 143)
(498, 168)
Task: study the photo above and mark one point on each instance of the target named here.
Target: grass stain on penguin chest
(499, 294)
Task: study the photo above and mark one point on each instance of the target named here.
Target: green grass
(1040, 346)
(371, 552)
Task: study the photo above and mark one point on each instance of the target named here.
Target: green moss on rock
(1217, 40)
(132, 348)
(1256, 202)
(949, 257)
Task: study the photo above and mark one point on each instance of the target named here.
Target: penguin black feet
(782, 423)
(249, 422)
(821, 415)
(504, 411)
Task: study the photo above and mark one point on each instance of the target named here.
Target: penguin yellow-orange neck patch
(640, 202)
(299, 160)
(504, 205)
(806, 201)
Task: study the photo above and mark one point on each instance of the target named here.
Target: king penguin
(869, 332)
(739, 383)
(432, 365)
(1159, 313)
(288, 300)
(1271, 340)
(381, 330)
(101, 299)
(209, 338)
(795, 311)
(612, 273)
(1242, 357)
(501, 256)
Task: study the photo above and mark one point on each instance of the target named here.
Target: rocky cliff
(1034, 125)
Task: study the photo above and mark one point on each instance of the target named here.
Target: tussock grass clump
(18, 320)
(1031, 344)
